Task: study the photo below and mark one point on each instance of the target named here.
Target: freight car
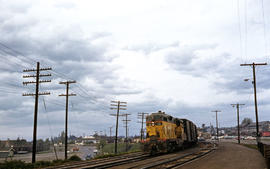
(166, 133)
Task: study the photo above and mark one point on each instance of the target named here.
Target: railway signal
(255, 93)
(216, 120)
(67, 83)
(37, 82)
(238, 128)
(142, 116)
(117, 105)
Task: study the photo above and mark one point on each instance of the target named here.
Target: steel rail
(94, 161)
(115, 163)
(176, 161)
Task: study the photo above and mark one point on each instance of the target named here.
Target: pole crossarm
(41, 75)
(255, 64)
(216, 110)
(72, 94)
(40, 81)
(34, 70)
(68, 82)
(33, 94)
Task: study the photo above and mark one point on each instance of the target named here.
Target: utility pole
(255, 93)
(238, 128)
(142, 116)
(110, 132)
(126, 126)
(37, 82)
(66, 123)
(216, 120)
(117, 105)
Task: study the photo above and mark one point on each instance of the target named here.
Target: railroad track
(177, 161)
(104, 162)
(139, 159)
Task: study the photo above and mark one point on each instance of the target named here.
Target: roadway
(229, 156)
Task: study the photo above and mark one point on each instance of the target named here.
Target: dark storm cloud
(72, 55)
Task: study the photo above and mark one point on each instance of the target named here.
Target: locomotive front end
(155, 141)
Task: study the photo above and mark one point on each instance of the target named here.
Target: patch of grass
(14, 164)
(253, 146)
(108, 149)
(121, 148)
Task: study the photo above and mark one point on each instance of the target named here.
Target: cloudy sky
(181, 57)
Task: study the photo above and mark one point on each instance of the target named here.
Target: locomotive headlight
(153, 123)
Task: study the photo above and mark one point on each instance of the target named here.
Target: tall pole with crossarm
(255, 93)
(66, 122)
(216, 120)
(238, 127)
(117, 105)
(37, 82)
(142, 117)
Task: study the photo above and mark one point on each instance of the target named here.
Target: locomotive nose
(152, 132)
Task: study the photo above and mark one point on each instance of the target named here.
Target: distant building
(21, 145)
(87, 140)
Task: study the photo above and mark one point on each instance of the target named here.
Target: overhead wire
(61, 75)
(264, 30)
(240, 30)
(246, 30)
(50, 128)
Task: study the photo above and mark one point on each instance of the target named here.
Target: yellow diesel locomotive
(166, 133)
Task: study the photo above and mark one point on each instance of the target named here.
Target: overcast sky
(181, 57)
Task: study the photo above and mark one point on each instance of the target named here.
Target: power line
(239, 28)
(264, 30)
(50, 128)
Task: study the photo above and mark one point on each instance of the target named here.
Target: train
(165, 133)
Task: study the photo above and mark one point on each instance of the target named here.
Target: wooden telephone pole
(255, 93)
(110, 132)
(66, 122)
(126, 126)
(216, 120)
(142, 117)
(238, 128)
(37, 82)
(117, 105)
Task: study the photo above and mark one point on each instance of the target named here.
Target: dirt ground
(229, 156)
